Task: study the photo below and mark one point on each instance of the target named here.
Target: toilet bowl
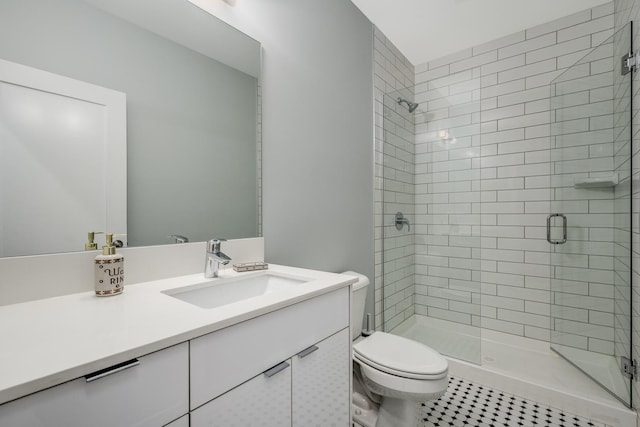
(394, 372)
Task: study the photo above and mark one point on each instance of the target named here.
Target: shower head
(410, 105)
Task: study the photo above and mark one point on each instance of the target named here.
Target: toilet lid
(400, 356)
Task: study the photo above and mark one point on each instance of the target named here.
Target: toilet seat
(400, 356)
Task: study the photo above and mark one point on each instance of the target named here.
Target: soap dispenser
(91, 245)
(109, 270)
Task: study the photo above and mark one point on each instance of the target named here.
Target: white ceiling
(429, 29)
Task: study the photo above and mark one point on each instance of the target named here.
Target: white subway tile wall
(494, 280)
(394, 176)
(626, 11)
(488, 164)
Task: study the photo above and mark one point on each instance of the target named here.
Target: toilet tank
(358, 299)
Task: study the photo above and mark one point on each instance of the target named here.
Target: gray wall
(317, 129)
(191, 120)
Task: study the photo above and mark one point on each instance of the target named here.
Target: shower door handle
(564, 229)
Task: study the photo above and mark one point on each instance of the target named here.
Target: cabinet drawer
(151, 393)
(226, 358)
(261, 401)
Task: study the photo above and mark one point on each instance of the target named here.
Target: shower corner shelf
(597, 182)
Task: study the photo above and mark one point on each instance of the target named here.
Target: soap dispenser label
(109, 276)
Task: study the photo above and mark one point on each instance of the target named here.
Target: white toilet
(391, 373)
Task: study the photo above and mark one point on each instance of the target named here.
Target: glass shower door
(589, 227)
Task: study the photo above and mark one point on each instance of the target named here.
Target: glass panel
(398, 196)
(431, 287)
(591, 104)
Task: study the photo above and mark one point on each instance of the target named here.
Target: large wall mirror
(192, 112)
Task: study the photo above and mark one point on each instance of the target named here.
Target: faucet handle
(179, 238)
(213, 245)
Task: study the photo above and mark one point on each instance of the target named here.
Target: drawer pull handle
(307, 351)
(111, 370)
(278, 368)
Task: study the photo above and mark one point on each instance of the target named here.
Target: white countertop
(50, 341)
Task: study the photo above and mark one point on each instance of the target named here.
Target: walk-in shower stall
(507, 214)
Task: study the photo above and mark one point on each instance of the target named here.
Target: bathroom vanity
(150, 358)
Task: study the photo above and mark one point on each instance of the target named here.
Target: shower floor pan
(521, 366)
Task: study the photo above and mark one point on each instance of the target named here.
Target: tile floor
(474, 405)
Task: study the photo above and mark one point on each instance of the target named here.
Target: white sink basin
(219, 292)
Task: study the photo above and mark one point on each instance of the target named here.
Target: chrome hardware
(278, 368)
(178, 238)
(564, 229)
(111, 370)
(628, 367)
(214, 258)
(630, 62)
(368, 330)
(214, 245)
(307, 351)
(400, 221)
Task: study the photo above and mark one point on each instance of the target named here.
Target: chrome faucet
(178, 238)
(214, 258)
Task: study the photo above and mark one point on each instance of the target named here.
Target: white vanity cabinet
(238, 374)
(289, 365)
(149, 391)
